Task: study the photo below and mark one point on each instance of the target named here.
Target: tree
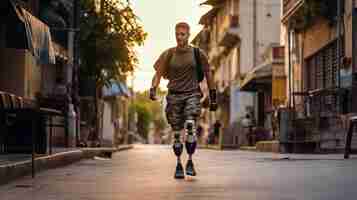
(144, 119)
(149, 111)
(107, 40)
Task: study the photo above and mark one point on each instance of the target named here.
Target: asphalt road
(146, 173)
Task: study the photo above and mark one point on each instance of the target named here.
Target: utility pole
(255, 33)
(76, 16)
(133, 118)
(339, 43)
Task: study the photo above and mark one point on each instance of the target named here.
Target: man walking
(184, 66)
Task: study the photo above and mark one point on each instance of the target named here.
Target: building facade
(236, 34)
(317, 36)
(38, 54)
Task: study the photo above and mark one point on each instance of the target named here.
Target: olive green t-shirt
(180, 70)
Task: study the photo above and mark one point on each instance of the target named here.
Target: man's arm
(210, 82)
(207, 71)
(159, 67)
(156, 80)
(154, 85)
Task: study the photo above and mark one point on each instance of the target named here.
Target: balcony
(229, 33)
(290, 8)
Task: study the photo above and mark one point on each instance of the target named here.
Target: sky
(159, 18)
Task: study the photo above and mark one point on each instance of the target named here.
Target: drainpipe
(254, 33)
(339, 43)
(289, 63)
(354, 29)
(354, 46)
(290, 84)
(76, 52)
(255, 101)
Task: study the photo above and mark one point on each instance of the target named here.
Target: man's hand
(213, 100)
(152, 94)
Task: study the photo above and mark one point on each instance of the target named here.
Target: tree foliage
(144, 119)
(149, 112)
(107, 40)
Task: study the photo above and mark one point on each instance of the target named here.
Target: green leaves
(107, 40)
(149, 112)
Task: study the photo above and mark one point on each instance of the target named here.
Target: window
(321, 73)
(321, 68)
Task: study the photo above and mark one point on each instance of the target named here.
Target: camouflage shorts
(181, 107)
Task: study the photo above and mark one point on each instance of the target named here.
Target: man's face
(182, 36)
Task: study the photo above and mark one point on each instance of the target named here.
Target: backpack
(199, 70)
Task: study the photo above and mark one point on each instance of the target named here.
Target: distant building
(236, 34)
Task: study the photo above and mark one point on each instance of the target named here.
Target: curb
(92, 152)
(211, 147)
(248, 148)
(12, 171)
(268, 146)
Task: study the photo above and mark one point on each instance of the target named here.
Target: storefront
(268, 82)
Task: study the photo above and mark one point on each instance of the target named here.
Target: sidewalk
(302, 157)
(13, 166)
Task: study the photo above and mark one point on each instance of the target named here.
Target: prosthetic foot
(190, 169)
(178, 148)
(179, 173)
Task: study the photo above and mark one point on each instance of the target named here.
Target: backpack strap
(199, 70)
(170, 53)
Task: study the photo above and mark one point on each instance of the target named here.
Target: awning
(196, 39)
(30, 32)
(230, 37)
(291, 9)
(116, 88)
(261, 74)
(38, 37)
(212, 2)
(206, 18)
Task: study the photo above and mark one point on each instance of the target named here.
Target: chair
(19, 102)
(7, 100)
(2, 100)
(2, 123)
(13, 102)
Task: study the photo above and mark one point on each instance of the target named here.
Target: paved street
(146, 173)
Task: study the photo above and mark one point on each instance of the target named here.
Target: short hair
(183, 25)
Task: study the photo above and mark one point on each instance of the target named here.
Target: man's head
(182, 33)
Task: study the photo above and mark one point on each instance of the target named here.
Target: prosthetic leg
(191, 143)
(178, 148)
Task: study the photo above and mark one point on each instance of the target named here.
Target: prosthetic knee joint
(177, 146)
(191, 140)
